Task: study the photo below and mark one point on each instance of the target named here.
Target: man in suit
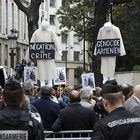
(133, 103)
(47, 108)
(75, 117)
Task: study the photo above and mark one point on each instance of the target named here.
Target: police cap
(110, 87)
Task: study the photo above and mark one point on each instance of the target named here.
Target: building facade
(72, 49)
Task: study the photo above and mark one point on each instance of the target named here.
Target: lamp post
(84, 45)
(66, 57)
(12, 44)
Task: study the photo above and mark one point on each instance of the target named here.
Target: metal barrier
(68, 135)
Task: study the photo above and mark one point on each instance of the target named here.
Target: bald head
(136, 91)
(74, 96)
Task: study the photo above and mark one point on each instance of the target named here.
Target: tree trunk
(101, 9)
(33, 17)
(32, 13)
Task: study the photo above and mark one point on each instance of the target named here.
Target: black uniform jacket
(14, 118)
(75, 117)
(120, 124)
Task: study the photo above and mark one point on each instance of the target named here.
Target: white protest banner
(13, 135)
(88, 79)
(61, 76)
(30, 75)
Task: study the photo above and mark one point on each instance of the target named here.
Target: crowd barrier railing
(68, 135)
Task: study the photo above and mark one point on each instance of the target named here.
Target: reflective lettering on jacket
(13, 135)
(123, 121)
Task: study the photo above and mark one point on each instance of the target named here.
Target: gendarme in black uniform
(120, 124)
(14, 118)
(15, 122)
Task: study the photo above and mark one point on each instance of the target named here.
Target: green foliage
(126, 16)
(137, 3)
(76, 16)
(136, 68)
(128, 19)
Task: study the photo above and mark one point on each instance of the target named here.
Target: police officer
(15, 123)
(119, 124)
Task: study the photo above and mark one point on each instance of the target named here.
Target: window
(76, 55)
(7, 17)
(25, 27)
(64, 55)
(76, 39)
(6, 55)
(75, 73)
(24, 52)
(52, 19)
(12, 15)
(64, 37)
(52, 3)
(18, 20)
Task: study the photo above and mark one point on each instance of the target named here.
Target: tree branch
(21, 6)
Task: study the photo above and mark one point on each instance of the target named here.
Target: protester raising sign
(61, 76)
(42, 50)
(88, 80)
(30, 75)
(108, 47)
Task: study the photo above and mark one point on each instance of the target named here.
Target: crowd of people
(111, 111)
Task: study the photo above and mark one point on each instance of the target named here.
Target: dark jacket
(48, 111)
(14, 118)
(75, 117)
(120, 124)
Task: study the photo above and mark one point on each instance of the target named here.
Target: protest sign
(29, 75)
(61, 76)
(42, 50)
(88, 79)
(108, 47)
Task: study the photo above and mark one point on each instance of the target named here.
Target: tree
(32, 12)
(72, 19)
(128, 19)
(75, 15)
(78, 18)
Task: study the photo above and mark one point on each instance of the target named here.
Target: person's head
(27, 87)
(78, 87)
(59, 91)
(98, 91)
(136, 91)
(86, 93)
(13, 93)
(112, 96)
(67, 89)
(46, 91)
(127, 90)
(74, 96)
(44, 24)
